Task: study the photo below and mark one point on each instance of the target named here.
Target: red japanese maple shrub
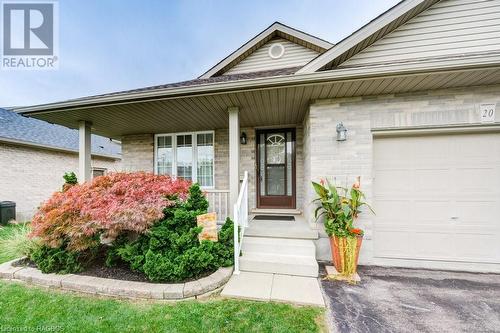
(106, 206)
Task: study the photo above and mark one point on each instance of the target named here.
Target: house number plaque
(487, 112)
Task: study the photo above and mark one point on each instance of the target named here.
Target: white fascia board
(360, 35)
(344, 74)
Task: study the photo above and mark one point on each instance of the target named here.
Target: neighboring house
(416, 89)
(34, 155)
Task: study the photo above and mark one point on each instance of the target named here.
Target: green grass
(12, 241)
(25, 308)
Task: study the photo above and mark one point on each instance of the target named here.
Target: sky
(113, 45)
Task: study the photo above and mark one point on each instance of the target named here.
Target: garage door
(437, 200)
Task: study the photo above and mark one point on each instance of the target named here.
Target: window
(205, 159)
(186, 155)
(96, 172)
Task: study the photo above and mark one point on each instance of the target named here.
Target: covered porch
(313, 104)
(234, 107)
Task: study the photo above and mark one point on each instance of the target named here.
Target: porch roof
(272, 100)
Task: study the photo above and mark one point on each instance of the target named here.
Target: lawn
(27, 308)
(7, 251)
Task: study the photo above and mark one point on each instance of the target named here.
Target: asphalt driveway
(411, 300)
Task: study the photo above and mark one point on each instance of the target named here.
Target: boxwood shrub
(170, 250)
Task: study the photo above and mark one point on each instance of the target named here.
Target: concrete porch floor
(275, 287)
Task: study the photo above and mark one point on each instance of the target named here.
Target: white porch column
(234, 156)
(84, 152)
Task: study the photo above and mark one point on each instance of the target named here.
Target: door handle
(454, 218)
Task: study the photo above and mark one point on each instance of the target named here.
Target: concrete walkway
(275, 287)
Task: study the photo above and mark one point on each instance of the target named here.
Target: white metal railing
(218, 202)
(240, 218)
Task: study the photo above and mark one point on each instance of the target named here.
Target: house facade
(34, 155)
(417, 90)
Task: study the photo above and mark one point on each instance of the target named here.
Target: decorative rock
(7, 270)
(129, 289)
(333, 274)
(86, 284)
(33, 275)
(118, 288)
(192, 288)
(173, 291)
(208, 283)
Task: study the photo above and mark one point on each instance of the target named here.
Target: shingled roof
(17, 128)
(199, 82)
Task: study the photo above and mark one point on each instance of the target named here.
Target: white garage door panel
(437, 199)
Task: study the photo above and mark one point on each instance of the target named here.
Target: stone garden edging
(117, 288)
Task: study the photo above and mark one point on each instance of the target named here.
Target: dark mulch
(121, 271)
(25, 262)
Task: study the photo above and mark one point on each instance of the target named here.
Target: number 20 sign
(487, 112)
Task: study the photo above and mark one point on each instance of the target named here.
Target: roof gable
(307, 44)
(293, 55)
(367, 35)
(449, 28)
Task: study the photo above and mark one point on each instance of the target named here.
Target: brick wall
(343, 161)
(30, 175)
(138, 152)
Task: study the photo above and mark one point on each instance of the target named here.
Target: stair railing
(240, 212)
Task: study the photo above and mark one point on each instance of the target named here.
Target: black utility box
(7, 211)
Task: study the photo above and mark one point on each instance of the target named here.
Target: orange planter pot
(338, 243)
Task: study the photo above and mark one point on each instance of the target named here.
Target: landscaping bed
(136, 227)
(98, 268)
(201, 287)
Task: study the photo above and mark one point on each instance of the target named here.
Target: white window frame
(194, 141)
(104, 170)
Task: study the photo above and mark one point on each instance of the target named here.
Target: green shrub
(56, 260)
(70, 178)
(170, 250)
(14, 241)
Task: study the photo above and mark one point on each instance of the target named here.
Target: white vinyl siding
(186, 155)
(448, 28)
(295, 55)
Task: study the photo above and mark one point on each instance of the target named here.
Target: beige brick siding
(248, 163)
(30, 175)
(221, 159)
(138, 153)
(343, 161)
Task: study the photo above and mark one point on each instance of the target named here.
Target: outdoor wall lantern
(243, 138)
(341, 132)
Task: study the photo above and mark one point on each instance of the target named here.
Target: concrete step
(279, 264)
(264, 211)
(280, 229)
(279, 246)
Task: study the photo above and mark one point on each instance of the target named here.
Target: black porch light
(243, 138)
(341, 132)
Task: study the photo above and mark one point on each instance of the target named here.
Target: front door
(276, 168)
